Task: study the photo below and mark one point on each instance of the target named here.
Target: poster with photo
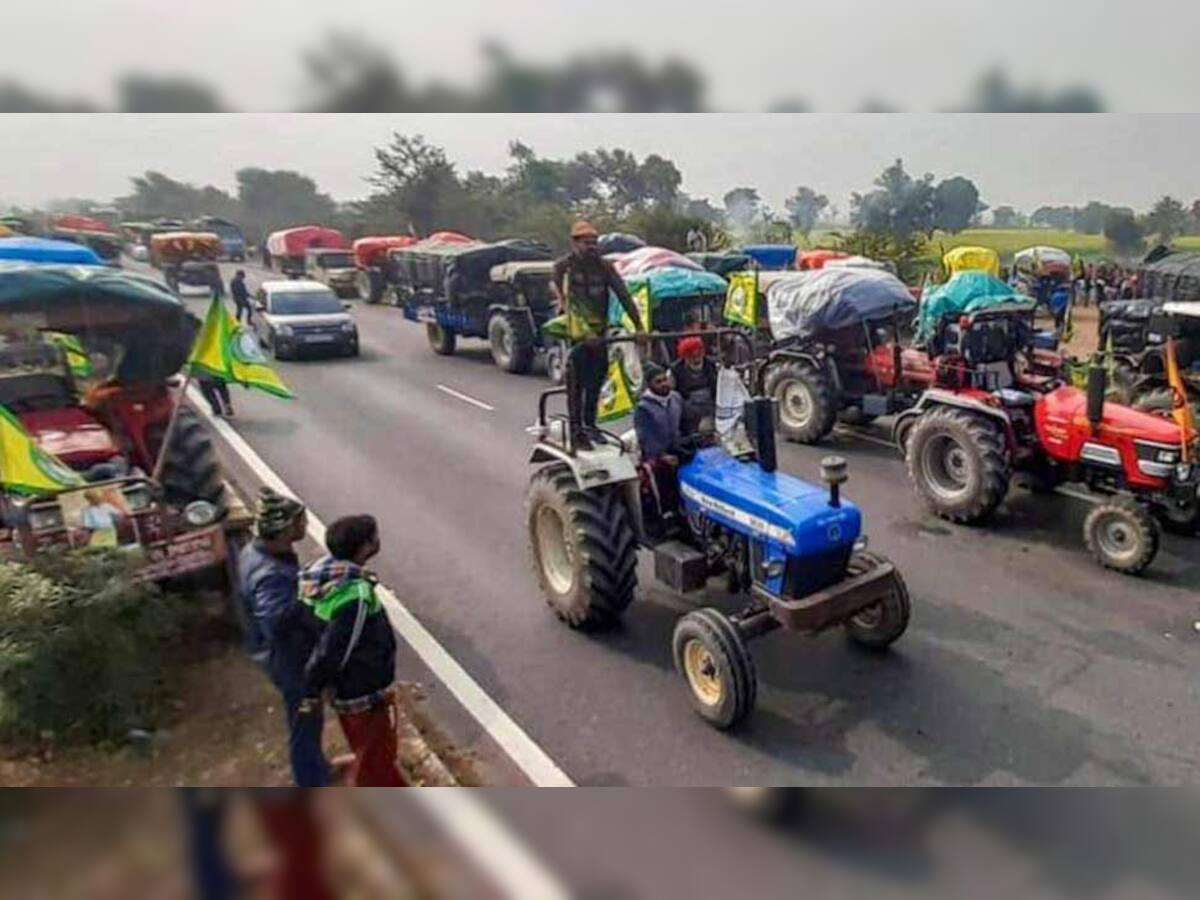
(98, 516)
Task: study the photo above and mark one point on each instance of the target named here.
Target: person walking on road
(581, 284)
(284, 627)
(356, 655)
(241, 295)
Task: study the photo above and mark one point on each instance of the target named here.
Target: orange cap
(583, 229)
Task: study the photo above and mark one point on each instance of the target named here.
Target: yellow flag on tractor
(27, 469)
(1181, 410)
(616, 397)
(641, 299)
(741, 300)
(77, 358)
(229, 351)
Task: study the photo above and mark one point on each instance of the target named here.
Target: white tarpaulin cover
(833, 298)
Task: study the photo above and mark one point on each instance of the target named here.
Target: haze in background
(1023, 161)
(275, 55)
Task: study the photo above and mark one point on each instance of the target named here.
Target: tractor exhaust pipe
(760, 423)
(1097, 387)
(833, 473)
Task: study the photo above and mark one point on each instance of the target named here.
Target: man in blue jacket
(657, 420)
(269, 571)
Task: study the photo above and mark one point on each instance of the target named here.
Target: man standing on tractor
(582, 281)
(356, 655)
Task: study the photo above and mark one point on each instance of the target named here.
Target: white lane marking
(520, 747)
(459, 395)
(492, 844)
(863, 436)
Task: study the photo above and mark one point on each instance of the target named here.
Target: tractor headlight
(45, 518)
(860, 544)
(199, 513)
(774, 568)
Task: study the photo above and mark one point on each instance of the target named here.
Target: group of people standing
(322, 633)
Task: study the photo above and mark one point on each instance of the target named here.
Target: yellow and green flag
(77, 357)
(641, 299)
(616, 397)
(227, 350)
(1181, 410)
(27, 469)
(741, 300)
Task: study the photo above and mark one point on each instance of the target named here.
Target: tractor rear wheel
(807, 406)
(1122, 535)
(190, 470)
(369, 284)
(958, 463)
(878, 627)
(442, 340)
(712, 657)
(512, 344)
(583, 547)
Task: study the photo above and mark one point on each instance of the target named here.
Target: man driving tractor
(582, 281)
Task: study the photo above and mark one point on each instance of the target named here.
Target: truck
(286, 249)
(233, 242)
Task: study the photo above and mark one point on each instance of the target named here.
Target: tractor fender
(591, 469)
(935, 397)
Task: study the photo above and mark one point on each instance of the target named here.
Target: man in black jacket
(241, 295)
(356, 655)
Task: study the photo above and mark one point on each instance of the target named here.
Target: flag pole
(172, 426)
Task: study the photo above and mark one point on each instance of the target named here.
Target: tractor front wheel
(712, 658)
(807, 406)
(1122, 535)
(442, 340)
(958, 463)
(512, 344)
(583, 547)
(879, 626)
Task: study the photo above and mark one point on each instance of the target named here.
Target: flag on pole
(227, 350)
(1181, 410)
(27, 469)
(641, 300)
(616, 397)
(741, 301)
(77, 358)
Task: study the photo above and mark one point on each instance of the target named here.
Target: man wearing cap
(695, 377)
(581, 284)
(269, 572)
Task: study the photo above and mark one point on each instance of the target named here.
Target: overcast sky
(1024, 161)
(917, 56)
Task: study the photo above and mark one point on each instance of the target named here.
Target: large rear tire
(512, 344)
(807, 405)
(442, 340)
(958, 463)
(583, 548)
(712, 658)
(1122, 535)
(190, 470)
(878, 627)
(370, 285)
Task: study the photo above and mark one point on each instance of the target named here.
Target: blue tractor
(795, 551)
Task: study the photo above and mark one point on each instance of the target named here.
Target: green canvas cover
(964, 293)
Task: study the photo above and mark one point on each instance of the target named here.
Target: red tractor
(88, 359)
(987, 418)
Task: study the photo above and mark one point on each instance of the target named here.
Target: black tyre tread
(884, 637)
(521, 359)
(1145, 523)
(996, 468)
(606, 541)
(191, 471)
(722, 634)
(824, 398)
(446, 345)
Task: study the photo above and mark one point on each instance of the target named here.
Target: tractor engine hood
(770, 506)
(71, 434)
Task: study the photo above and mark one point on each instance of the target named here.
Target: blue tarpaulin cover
(828, 299)
(669, 283)
(964, 293)
(40, 250)
(771, 256)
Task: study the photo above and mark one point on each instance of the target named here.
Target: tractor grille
(808, 574)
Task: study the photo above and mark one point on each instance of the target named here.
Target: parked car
(292, 318)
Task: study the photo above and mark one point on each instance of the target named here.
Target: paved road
(1025, 662)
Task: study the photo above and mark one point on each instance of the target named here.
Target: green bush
(85, 650)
